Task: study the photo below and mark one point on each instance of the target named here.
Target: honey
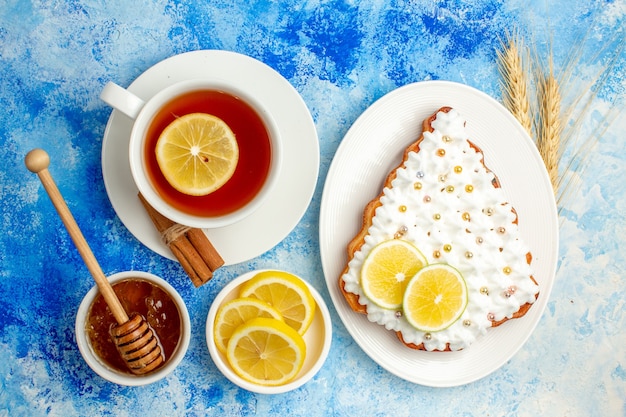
(137, 296)
(255, 153)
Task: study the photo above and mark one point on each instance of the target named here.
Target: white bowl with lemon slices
(268, 331)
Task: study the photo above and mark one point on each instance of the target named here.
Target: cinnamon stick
(205, 248)
(197, 278)
(192, 248)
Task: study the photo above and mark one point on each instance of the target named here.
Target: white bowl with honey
(140, 293)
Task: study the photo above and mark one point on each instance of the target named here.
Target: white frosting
(429, 201)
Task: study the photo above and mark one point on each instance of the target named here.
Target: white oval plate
(370, 150)
(317, 338)
(277, 217)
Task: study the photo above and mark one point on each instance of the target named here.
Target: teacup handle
(121, 99)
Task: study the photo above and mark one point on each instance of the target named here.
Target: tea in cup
(258, 144)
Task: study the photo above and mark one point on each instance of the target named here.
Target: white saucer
(369, 151)
(273, 221)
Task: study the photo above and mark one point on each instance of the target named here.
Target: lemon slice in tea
(197, 153)
(266, 351)
(435, 298)
(387, 269)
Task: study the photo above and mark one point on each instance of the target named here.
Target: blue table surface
(341, 56)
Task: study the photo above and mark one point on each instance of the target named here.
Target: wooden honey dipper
(134, 339)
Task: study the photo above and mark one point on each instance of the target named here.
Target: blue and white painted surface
(341, 56)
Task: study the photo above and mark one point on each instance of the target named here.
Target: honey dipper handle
(37, 161)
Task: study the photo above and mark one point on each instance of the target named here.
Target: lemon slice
(197, 153)
(435, 298)
(387, 269)
(237, 312)
(266, 351)
(285, 292)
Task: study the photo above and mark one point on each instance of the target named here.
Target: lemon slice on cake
(435, 298)
(387, 269)
(266, 351)
(197, 153)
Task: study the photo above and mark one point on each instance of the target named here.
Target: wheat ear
(512, 63)
(549, 124)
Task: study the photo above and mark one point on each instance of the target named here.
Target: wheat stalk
(549, 124)
(512, 65)
(582, 144)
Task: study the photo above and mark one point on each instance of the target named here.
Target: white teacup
(145, 113)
